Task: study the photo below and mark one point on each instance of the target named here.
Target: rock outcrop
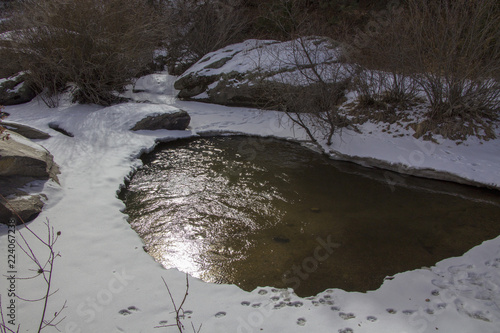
(240, 74)
(22, 162)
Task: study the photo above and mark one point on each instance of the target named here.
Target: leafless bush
(457, 61)
(451, 50)
(199, 27)
(94, 47)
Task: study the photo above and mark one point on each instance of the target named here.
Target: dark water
(261, 212)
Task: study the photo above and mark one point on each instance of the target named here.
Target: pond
(264, 212)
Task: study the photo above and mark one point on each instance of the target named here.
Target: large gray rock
(20, 157)
(16, 90)
(241, 74)
(170, 121)
(22, 162)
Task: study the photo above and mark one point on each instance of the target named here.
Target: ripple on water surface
(263, 212)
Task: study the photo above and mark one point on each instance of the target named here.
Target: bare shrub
(94, 47)
(458, 62)
(196, 28)
(451, 49)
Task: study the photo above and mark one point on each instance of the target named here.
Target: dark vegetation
(444, 54)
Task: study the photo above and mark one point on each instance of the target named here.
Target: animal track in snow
(128, 311)
(346, 330)
(347, 316)
(301, 321)
(408, 312)
(220, 314)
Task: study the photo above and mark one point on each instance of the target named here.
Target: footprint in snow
(128, 311)
(296, 304)
(220, 314)
(408, 312)
(301, 321)
(346, 330)
(347, 316)
(371, 318)
(245, 303)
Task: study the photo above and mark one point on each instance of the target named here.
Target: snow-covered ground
(110, 284)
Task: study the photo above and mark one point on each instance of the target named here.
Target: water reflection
(257, 212)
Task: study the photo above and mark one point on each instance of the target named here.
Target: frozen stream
(253, 211)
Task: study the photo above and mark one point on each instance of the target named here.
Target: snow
(264, 55)
(110, 284)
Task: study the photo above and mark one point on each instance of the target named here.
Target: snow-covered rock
(15, 90)
(239, 74)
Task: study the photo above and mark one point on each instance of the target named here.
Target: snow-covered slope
(110, 284)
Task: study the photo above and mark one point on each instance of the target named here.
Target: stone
(16, 90)
(20, 209)
(170, 121)
(26, 131)
(22, 162)
(20, 157)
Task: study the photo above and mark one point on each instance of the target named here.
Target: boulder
(170, 121)
(20, 157)
(240, 74)
(20, 209)
(22, 162)
(15, 90)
